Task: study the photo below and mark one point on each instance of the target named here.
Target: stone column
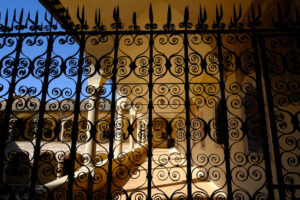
(89, 145)
(95, 81)
(60, 164)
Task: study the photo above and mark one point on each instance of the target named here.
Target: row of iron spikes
(20, 26)
(253, 19)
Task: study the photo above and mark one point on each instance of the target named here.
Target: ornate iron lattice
(198, 112)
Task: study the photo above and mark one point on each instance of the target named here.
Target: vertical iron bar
(112, 122)
(276, 146)
(10, 100)
(71, 174)
(150, 107)
(187, 120)
(268, 170)
(224, 116)
(43, 102)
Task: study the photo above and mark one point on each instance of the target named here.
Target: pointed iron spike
(78, 17)
(169, 15)
(118, 13)
(221, 11)
(45, 17)
(6, 18)
(279, 11)
(186, 14)
(99, 16)
(114, 13)
(134, 19)
(21, 17)
(28, 17)
(240, 12)
(205, 14)
(51, 20)
(217, 13)
(36, 18)
(150, 14)
(259, 11)
(200, 14)
(82, 15)
(287, 10)
(234, 13)
(96, 17)
(14, 17)
(253, 12)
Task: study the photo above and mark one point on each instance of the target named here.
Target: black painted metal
(242, 87)
(150, 106)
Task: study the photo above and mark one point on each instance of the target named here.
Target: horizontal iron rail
(156, 32)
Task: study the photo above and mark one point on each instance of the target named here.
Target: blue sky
(32, 52)
(27, 5)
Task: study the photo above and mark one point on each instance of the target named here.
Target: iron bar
(224, 117)
(285, 26)
(113, 110)
(150, 107)
(9, 104)
(75, 125)
(187, 106)
(276, 145)
(266, 152)
(37, 148)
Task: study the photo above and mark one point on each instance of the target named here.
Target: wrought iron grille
(198, 112)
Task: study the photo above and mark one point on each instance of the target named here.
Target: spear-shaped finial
(254, 20)
(151, 25)
(135, 26)
(185, 24)
(81, 18)
(36, 18)
(96, 17)
(186, 14)
(219, 15)
(6, 19)
(82, 21)
(234, 20)
(150, 14)
(82, 15)
(169, 17)
(50, 25)
(201, 19)
(116, 15)
(169, 26)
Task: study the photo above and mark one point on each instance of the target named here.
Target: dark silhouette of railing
(246, 80)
